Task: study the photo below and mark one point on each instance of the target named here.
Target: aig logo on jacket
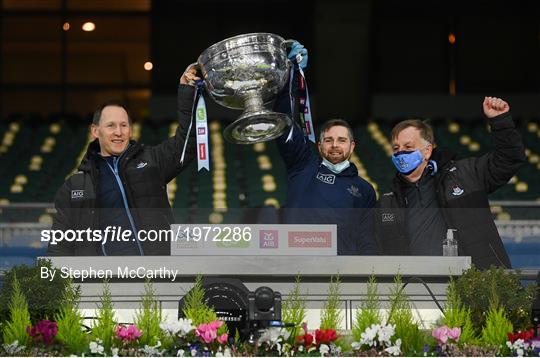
(326, 178)
(388, 217)
(77, 194)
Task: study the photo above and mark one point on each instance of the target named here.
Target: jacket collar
(93, 152)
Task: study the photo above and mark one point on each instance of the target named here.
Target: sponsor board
(260, 239)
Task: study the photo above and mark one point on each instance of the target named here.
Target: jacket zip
(124, 199)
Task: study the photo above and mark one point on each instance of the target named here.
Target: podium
(276, 272)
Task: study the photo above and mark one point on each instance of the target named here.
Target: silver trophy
(245, 72)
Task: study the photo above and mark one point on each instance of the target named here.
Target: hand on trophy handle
(190, 75)
(296, 51)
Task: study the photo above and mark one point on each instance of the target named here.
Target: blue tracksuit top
(315, 195)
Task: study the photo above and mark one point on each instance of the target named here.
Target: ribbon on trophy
(201, 126)
(304, 105)
(199, 114)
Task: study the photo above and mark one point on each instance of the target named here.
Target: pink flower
(454, 333)
(223, 338)
(442, 334)
(215, 324)
(128, 334)
(206, 332)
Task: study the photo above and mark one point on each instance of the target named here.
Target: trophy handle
(195, 65)
(287, 43)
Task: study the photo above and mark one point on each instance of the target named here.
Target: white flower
(385, 333)
(96, 348)
(368, 336)
(219, 354)
(520, 352)
(300, 348)
(227, 352)
(114, 352)
(180, 353)
(186, 325)
(324, 349)
(152, 350)
(396, 349)
(13, 348)
(181, 327)
(356, 345)
(193, 352)
(274, 335)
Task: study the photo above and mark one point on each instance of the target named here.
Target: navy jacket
(144, 172)
(315, 195)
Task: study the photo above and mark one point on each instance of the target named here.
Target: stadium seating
(37, 154)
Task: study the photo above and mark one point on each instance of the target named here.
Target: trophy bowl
(245, 72)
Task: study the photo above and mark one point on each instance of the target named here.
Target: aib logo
(268, 239)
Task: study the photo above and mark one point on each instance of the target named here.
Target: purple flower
(44, 330)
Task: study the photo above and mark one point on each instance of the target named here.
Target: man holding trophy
(247, 71)
(325, 188)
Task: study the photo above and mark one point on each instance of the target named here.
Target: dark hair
(333, 123)
(426, 132)
(101, 107)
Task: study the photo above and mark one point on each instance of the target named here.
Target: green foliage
(331, 313)
(195, 307)
(44, 297)
(105, 323)
(497, 327)
(69, 321)
(368, 312)
(475, 290)
(148, 317)
(456, 315)
(15, 328)
(412, 338)
(294, 309)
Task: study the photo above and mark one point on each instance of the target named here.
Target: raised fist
(494, 106)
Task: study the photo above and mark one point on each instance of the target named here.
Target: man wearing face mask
(432, 192)
(326, 188)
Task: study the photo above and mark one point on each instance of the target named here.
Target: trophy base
(257, 127)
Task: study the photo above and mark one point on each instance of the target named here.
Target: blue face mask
(336, 168)
(407, 161)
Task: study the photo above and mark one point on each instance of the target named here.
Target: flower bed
(201, 333)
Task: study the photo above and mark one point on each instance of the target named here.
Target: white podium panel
(173, 276)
